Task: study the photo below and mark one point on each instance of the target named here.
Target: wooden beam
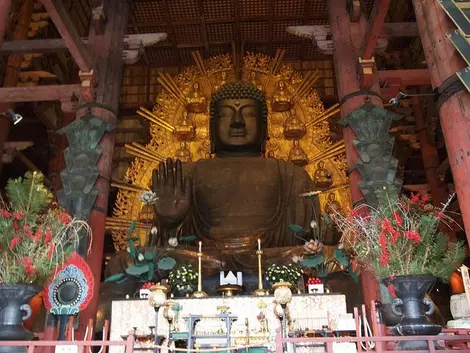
(171, 33)
(34, 46)
(5, 6)
(40, 93)
(400, 29)
(376, 22)
(415, 77)
(69, 33)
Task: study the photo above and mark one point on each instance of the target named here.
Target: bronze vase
(14, 310)
(412, 309)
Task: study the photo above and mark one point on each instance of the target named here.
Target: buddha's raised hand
(174, 194)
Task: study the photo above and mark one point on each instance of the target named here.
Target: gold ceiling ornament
(180, 127)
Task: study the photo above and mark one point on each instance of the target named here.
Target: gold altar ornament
(260, 291)
(297, 122)
(199, 293)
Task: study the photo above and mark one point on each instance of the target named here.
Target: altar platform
(306, 311)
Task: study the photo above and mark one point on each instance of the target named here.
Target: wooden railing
(444, 342)
(83, 346)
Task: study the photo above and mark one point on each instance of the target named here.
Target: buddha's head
(238, 119)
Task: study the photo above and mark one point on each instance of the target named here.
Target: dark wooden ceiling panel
(250, 8)
(189, 34)
(223, 32)
(183, 10)
(149, 12)
(219, 9)
(289, 7)
(254, 31)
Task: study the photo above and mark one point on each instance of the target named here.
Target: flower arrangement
(316, 257)
(36, 235)
(145, 262)
(401, 236)
(183, 279)
(286, 273)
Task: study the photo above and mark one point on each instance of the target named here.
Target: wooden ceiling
(214, 26)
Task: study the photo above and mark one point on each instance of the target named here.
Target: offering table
(306, 311)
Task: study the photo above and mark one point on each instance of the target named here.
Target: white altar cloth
(310, 311)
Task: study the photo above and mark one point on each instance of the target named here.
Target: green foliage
(188, 238)
(166, 263)
(116, 277)
(36, 236)
(295, 228)
(145, 261)
(402, 237)
(313, 261)
(137, 270)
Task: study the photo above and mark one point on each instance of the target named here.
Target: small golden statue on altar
(282, 100)
(332, 206)
(183, 153)
(185, 130)
(255, 82)
(323, 178)
(297, 155)
(294, 128)
(196, 103)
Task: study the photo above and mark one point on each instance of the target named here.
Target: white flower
(128, 250)
(340, 246)
(173, 242)
(296, 259)
(313, 224)
(148, 197)
(154, 231)
(140, 257)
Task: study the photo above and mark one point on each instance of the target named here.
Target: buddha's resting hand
(174, 194)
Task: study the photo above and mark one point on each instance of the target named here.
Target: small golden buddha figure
(332, 206)
(255, 82)
(196, 102)
(297, 155)
(294, 128)
(183, 153)
(223, 80)
(323, 178)
(282, 100)
(185, 130)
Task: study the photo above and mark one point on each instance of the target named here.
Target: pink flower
(15, 241)
(397, 218)
(48, 236)
(18, 215)
(28, 266)
(50, 252)
(413, 235)
(5, 214)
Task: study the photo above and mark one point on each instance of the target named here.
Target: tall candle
(259, 244)
(200, 246)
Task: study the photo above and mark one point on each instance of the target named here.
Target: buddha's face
(238, 123)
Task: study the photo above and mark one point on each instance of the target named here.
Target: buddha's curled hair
(239, 90)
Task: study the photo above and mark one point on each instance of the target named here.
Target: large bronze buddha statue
(238, 196)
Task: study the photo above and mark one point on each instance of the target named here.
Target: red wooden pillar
(5, 7)
(106, 51)
(13, 66)
(347, 39)
(443, 61)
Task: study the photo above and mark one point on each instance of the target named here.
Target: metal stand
(199, 293)
(260, 291)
